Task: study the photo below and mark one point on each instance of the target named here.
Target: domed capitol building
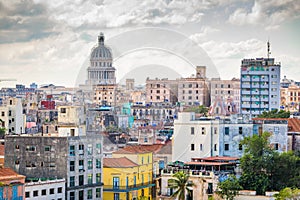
(101, 74)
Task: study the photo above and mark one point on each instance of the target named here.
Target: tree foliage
(198, 109)
(275, 114)
(229, 188)
(265, 169)
(288, 193)
(180, 182)
(2, 132)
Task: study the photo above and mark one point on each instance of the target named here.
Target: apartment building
(77, 159)
(224, 96)
(260, 86)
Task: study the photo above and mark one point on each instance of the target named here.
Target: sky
(51, 41)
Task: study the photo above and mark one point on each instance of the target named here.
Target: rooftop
(137, 149)
(294, 125)
(7, 173)
(118, 163)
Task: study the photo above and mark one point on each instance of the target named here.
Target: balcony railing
(128, 188)
(192, 173)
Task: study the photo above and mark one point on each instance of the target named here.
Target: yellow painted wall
(143, 171)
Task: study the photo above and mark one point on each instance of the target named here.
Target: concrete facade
(260, 86)
(224, 96)
(76, 159)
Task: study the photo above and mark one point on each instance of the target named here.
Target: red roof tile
(217, 158)
(1, 150)
(294, 125)
(118, 163)
(8, 173)
(137, 149)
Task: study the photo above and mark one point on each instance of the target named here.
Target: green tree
(288, 194)
(229, 188)
(198, 109)
(180, 182)
(2, 132)
(286, 171)
(275, 114)
(256, 163)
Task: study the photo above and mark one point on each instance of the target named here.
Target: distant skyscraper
(260, 85)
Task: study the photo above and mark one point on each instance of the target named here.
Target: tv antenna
(268, 51)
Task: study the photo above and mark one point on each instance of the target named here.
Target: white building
(194, 138)
(12, 117)
(45, 189)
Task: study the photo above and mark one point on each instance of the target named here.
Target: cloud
(23, 21)
(110, 14)
(269, 13)
(202, 35)
(248, 48)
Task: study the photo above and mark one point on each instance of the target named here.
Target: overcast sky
(50, 41)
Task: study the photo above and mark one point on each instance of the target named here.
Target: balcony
(192, 173)
(112, 188)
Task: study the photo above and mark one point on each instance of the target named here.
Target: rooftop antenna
(269, 52)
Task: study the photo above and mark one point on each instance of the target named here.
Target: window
(81, 180)
(116, 182)
(116, 196)
(215, 130)
(2, 114)
(81, 148)
(44, 192)
(72, 181)
(72, 150)
(90, 178)
(192, 130)
(98, 192)
(240, 147)
(90, 149)
(90, 164)
(215, 147)
(47, 148)
(98, 163)
(72, 166)
(51, 191)
(72, 195)
(30, 148)
(98, 147)
(192, 147)
(201, 147)
(59, 190)
(27, 194)
(35, 193)
(98, 178)
(63, 110)
(90, 194)
(240, 130)
(276, 146)
(226, 130)
(81, 165)
(203, 130)
(226, 147)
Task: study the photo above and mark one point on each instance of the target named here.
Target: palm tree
(181, 183)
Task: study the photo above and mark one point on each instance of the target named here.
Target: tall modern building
(260, 86)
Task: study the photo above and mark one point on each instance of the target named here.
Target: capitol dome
(101, 71)
(101, 55)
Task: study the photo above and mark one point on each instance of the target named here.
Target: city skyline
(45, 41)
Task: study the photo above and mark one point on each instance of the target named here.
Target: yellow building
(129, 174)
